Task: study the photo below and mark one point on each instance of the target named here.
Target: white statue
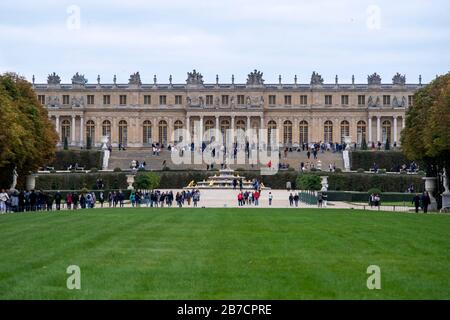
(106, 153)
(446, 182)
(14, 182)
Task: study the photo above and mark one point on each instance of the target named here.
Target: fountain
(223, 181)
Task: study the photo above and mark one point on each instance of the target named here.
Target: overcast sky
(226, 37)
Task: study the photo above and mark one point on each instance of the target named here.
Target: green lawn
(224, 254)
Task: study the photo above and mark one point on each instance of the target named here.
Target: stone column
(72, 138)
(201, 129)
(395, 129)
(188, 125)
(232, 122)
(378, 128)
(82, 130)
(369, 130)
(217, 123)
(262, 122)
(58, 130)
(403, 122)
(248, 122)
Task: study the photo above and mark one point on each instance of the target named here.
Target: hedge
(180, 179)
(85, 158)
(77, 181)
(389, 160)
(353, 196)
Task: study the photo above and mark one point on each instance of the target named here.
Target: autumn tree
(27, 136)
(426, 135)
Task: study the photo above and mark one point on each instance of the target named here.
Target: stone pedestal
(430, 187)
(31, 182)
(445, 202)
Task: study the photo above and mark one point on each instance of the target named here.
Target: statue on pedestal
(15, 176)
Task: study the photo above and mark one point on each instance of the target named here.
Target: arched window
(240, 124)
(90, 131)
(224, 126)
(147, 132)
(178, 124)
(123, 132)
(271, 126)
(162, 131)
(303, 132)
(328, 131)
(386, 131)
(361, 131)
(209, 124)
(65, 130)
(287, 132)
(106, 128)
(345, 130)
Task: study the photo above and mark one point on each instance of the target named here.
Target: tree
(28, 138)
(147, 180)
(426, 135)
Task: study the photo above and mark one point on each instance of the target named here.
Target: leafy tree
(147, 180)
(27, 138)
(426, 135)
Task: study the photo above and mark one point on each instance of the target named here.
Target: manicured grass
(224, 254)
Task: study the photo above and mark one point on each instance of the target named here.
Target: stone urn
(31, 182)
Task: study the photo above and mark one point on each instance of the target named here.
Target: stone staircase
(122, 159)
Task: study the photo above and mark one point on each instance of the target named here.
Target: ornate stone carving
(135, 79)
(194, 100)
(316, 79)
(53, 101)
(373, 104)
(194, 78)
(79, 79)
(403, 104)
(77, 102)
(399, 79)
(232, 103)
(395, 102)
(374, 79)
(217, 102)
(255, 78)
(53, 79)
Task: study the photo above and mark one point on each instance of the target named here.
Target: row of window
(209, 124)
(225, 99)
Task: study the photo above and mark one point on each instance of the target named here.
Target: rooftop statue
(135, 79)
(399, 79)
(374, 79)
(79, 79)
(53, 79)
(194, 78)
(255, 78)
(316, 78)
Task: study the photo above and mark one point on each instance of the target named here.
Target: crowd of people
(156, 198)
(248, 198)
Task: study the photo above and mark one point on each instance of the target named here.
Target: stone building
(137, 114)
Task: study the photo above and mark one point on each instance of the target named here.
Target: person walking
(3, 198)
(291, 200)
(416, 202)
(270, 198)
(58, 200)
(425, 201)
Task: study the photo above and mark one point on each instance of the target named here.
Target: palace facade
(137, 114)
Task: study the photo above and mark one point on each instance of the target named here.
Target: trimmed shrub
(147, 180)
(117, 169)
(77, 181)
(391, 160)
(85, 158)
(374, 191)
(360, 170)
(308, 182)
